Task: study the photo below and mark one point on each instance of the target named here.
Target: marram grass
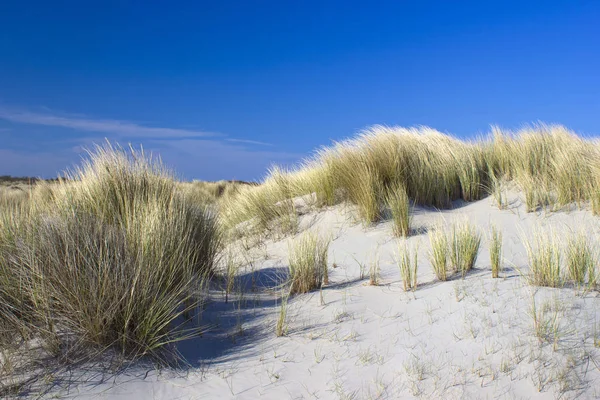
(307, 262)
(551, 165)
(113, 257)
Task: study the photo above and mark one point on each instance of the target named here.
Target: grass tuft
(580, 259)
(544, 256)
(439, 252)
(307, 262)
(400, 207)
(496, 251)
(464, 247)
(408, 264)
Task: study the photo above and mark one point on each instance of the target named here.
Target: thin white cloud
(249, 142)
(121, 128)
(194, 154)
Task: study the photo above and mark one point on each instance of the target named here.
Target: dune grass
(495, 251)
(307, 262)
(408, 264)
(545, 257)
(268, 207)
(113, 257)
(439, 252)
(464, 247)
(281, 325)
(551, 165)
(400, 208)
(580, 259)
(204, 192)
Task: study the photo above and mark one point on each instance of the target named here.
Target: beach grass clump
(439, 252)
(544, 254)
(580, 259)
(536, 192)
(205, 192)
(307, 262)
(400, 208)
(358, 180)
(265, 208)
(113, 258)
(464, 247)
(408, 264)
(495, 251)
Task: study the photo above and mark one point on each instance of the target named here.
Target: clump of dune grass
(408, 264)
(113, 258)
(536, 192)
(464, 247)
(205, 192)
(580, 259)
(400, 207)
(495, 251)
(439, 252)
(544, 254)
(265, 208)
(307, 262)
(11, 198)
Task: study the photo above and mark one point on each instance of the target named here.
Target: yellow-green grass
(113, 257)
(545, 257)
(495, 251)
(439, 255)
(268, 207)
(464, 247)
(400, 208)
(408, 264)
(307, 262)
(581, 259)
(205, 192)
(551, 164)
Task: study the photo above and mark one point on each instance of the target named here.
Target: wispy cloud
(107, 126)
(249, 142)
(193, 153)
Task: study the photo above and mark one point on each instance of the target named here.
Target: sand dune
(475, 337)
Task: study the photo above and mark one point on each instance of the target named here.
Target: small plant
(281, 327)
(496, 251)
(546, 322)
(374, 272)
(408, 268)
(308, 262)
(580, 259)
(400, 207)
(544, 260)
(464, 247)
(439, 253)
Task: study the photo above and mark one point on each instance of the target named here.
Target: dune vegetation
(113, 257)
(119, 255)
(550, 164)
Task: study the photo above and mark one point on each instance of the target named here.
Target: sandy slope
(470, 338)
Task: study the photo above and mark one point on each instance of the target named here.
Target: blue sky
(223, 89)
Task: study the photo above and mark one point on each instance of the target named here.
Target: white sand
(470, 338)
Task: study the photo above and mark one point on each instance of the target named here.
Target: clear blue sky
(223, 89)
